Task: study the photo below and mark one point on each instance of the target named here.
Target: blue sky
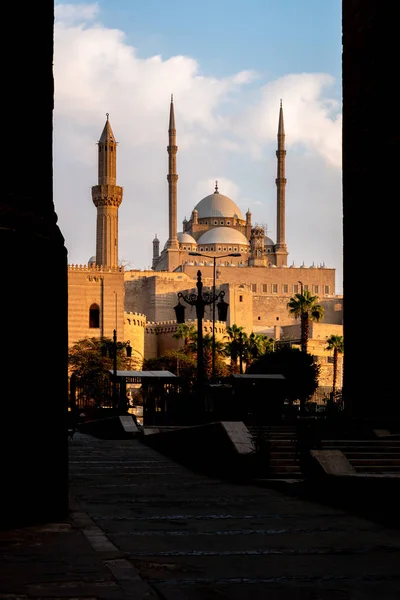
(228, 64)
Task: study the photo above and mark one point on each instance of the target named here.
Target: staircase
(377, 456)
(282, 451)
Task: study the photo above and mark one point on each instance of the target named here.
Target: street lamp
(214, 258)
(302, 323)
(200, 300)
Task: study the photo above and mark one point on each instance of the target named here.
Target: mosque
(231, 252)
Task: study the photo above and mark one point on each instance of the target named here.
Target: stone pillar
(34, 290)
(371, 151)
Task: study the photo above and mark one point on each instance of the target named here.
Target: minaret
(280, 195)
(107, 197)
(248, 224)
(156, 251)
(172, 178)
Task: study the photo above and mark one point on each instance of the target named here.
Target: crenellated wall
(159, 336)
(89, 286)
(134, 328)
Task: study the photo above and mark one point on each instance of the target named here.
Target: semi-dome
(222, 235)
(217, 205)
(185, 238)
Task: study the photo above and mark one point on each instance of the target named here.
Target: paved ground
(143, 527)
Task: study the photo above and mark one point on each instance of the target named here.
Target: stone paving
(144, 527)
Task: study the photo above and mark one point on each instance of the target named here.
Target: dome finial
(216, 187)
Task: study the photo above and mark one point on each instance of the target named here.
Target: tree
(256, 345)
(91, 359)
(178, 362)
(297, 367)
(234, 346)
(185, 332)
(305, 307)
(335, 343)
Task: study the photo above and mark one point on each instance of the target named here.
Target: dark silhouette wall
(371, 159)
(34, 292)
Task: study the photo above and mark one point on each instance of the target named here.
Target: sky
(228, 64)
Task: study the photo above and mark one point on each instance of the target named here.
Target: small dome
(217, 205)
(223, 235)
(268, 241)
(185, 238)
(92, 260)
(293, 266)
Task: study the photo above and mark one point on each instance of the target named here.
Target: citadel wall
(159, 336)
(134, 327)
(90, 286)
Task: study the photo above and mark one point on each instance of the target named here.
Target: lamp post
(200, 300)
(214, 258)
(115, 395)
(241, 351)
(302, 323)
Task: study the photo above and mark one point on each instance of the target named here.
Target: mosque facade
(231, 252)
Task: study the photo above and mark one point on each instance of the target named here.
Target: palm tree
(335, 343)
(305, 306)
(257, 345)
(234, 345)
(185, 332)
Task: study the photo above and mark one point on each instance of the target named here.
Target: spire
(281, 125)
(171, 115)
(107, 136)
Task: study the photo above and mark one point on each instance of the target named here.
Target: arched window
(94, 316)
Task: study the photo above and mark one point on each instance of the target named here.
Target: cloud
(226, 130)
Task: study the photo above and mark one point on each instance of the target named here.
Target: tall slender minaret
(107, 197)
(172, 178)
(280, 181)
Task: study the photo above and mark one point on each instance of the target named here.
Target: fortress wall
(87, 286)
(269, 276)
(159, 336)
(134, 327)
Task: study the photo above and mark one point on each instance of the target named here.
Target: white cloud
(226, 130)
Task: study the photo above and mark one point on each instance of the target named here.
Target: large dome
(185, 238)
(222, 235)
(217, 205)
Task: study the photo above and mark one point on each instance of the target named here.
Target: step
(361, 447)
(285, 469)
(377, 443)
(376, 469)
(373, 455)
(276, 462)
(286, 455)
(395, 462)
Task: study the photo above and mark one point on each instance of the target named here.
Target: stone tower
(107, 197)
(257, 248)
(280, 247)
(156, 251)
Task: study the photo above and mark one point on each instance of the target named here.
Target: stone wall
(134, 327)
(159, 336)
(88, 286)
